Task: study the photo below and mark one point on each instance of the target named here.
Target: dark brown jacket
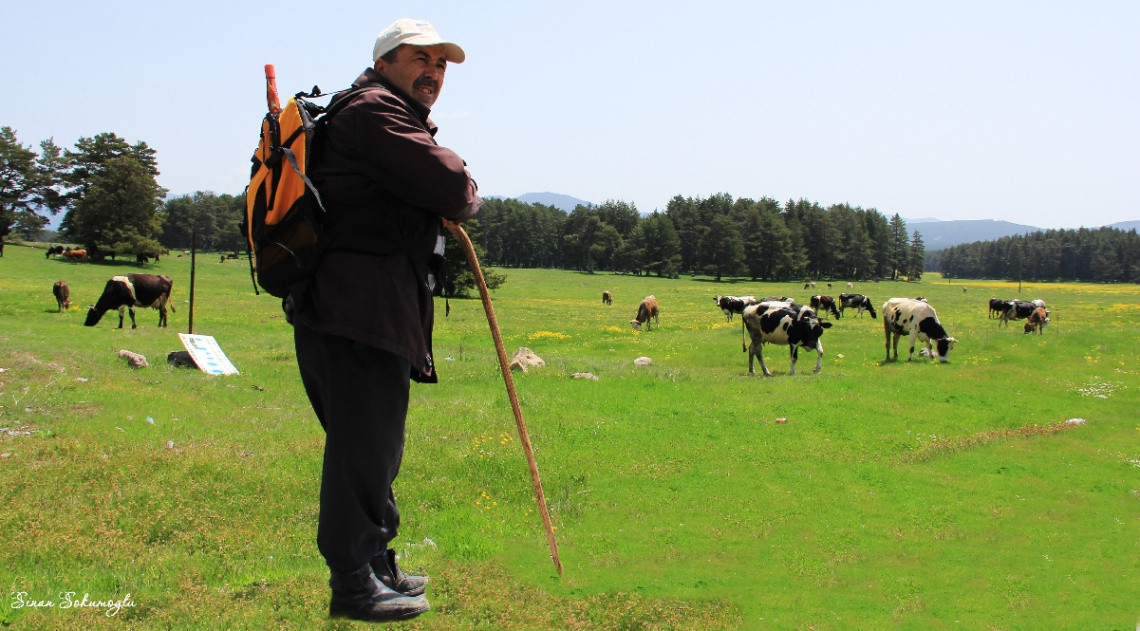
(385, 183)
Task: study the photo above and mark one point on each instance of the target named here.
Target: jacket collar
(370, 77)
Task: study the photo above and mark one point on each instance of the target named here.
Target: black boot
(358, 595)
(389, 573)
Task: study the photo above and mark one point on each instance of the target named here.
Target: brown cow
(62, 295)
(75, 255)
(607, 298)
(646, 310)
(1037, 320)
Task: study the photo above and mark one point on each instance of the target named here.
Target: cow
(75, 255)
(62, 295)
(607, 297)
(734, 304)
(1037, 320)
(54, 250)
(1038, 303)
(856, 301)
(1015, 310)
(778, 323)
(915, 318)
(823, 305)
(997, 306)
(809, 283)
(850, 286)
(646, 310)
(142, 259)
(130, 291)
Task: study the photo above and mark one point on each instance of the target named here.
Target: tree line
(112, 203)
(108, 192)
(717, 235)
(1106, 255)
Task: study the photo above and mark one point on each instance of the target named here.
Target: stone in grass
(1076, 421)
(181, 359)
(642, 361)
(134, 360)
(524, 359)
(585, 375)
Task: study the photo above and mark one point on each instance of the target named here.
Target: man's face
(417, 70)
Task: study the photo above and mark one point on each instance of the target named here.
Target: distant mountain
(919, 220)
(1126, 225)
(937, 235)
(557, 200)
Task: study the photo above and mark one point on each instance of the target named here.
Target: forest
(1104, 255)
(111, 203)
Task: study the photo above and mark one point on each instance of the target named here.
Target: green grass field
(897, 495)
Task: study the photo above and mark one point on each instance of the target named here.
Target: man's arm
(400, 154)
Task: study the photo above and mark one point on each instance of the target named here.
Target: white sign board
(207, 354)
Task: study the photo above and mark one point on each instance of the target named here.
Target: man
(362, 323)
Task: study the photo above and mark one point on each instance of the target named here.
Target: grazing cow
(829, 285)
(916, 318)
(856, 301)
(997, 306)
(54, 250)
(646, 310)
(62, 295)
(607, 298)
(777, 323)
(130, 291)
(1037, 320)
(75, 255)
(1015, 310)
(142, 259)
(734, 304)
(850, 286)
(963, 289)
(1038, 303)
(824, 305)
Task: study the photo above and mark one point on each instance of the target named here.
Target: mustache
(426, 81)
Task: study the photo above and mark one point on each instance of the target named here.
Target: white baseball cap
(414, 33)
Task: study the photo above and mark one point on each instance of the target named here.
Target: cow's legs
(162, 317)
(756, 349)
(794, 351)
(913, 334)
(131, 310)
(121, 310)
(819, 356)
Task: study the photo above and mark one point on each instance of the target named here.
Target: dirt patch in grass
(945, 446)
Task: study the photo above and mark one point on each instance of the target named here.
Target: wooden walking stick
(504, 366)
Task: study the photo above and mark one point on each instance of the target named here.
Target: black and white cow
(856, 301)
(915, 318)
(1015, 310)
(130, 291)
(824, 305)
(54, 250)
(734, 304)
(779, 323)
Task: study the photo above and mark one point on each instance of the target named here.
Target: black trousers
(360, 395)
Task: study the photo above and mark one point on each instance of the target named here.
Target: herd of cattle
(778, 320)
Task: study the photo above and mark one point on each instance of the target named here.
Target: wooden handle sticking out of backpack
(504, 366)
(271, 97)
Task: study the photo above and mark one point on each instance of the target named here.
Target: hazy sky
(1022, 111)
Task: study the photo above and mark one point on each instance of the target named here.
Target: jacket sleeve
(398, 152)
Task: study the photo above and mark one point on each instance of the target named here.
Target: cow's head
(807, 328)
(93, 316)
(635, 324)
(943, 348)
